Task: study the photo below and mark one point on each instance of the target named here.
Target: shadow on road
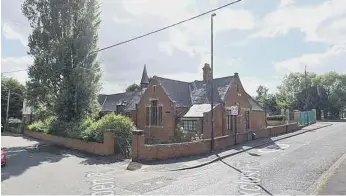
(19, 159)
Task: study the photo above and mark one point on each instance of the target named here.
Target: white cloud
(9, 33)
(16, 63)
(251, 84)
(313, 20)
(194, 37)
(179, 51)
(332, 60)
(285, 3)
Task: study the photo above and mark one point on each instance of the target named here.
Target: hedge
(276, 117)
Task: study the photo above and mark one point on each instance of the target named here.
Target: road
(289, 166)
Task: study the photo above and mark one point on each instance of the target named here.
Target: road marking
(102, 183)
(249, 181)
(273, 148)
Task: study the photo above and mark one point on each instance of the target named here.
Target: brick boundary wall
(105, 148)
(143, 152)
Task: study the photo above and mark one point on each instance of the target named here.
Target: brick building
(166, 103)
(124, 103)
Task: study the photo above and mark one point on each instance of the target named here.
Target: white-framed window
(154, 114)
(190, 125)
(229, 121)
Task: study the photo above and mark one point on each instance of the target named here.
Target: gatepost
(296, 116)
(287, 116)
(314, 115)
(322, 115)
(137, 143)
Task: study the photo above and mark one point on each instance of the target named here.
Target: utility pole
(306, 96)
(211, 82)
(8, 108)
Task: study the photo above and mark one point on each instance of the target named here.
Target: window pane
(229, 122)
(147, 116)
(190, 125)
(160, 115)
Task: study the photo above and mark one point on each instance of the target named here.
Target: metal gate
(307, 117)
(122, 146)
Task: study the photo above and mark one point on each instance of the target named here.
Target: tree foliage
(133, 87)
(16, 98)
(64, 78)
(322, 92)
(265, 99)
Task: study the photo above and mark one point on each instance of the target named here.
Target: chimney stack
(236, 75)
(207, 73)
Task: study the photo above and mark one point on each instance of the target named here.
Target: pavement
(291, 165)
(202, 160)
(335, 181)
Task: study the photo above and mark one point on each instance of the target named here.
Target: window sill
(153, 126)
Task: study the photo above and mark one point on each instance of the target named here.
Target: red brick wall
(224, 141)
(166, 131)
(140, 151)
(218, 122)
(277, 130)
(105, 148)
(164, 151)
(257, 120)
(134, 116)
(264, 133)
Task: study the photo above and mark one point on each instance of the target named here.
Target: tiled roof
(109, 102)
(185, 94)
(178, 91)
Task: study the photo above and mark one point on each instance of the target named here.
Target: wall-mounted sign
(234, 110)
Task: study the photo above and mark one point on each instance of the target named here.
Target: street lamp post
(211, 83)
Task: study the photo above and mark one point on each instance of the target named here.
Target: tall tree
(64, 77)
(332, 86)
(289, 95)
(267, 100)
(16, 98)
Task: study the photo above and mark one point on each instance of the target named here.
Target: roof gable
(109, 102)
(185, 94)
(177, 91)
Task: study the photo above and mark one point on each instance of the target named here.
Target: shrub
(36, 126)
(45, 126)
(122, 126)
(88, 130)
(276, 117)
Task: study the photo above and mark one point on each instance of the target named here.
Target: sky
(262, 40)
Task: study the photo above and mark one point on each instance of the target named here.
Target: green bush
(43, 126)
(88, 130)
(36, 126)
(122, 126)
(276, 117)
(91, 130)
